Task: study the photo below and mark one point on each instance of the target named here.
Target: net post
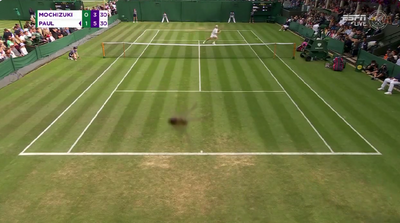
(104, 52)
(274, 50)
(123, 45)
(294, 50)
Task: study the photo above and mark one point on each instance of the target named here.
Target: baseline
(291, 99)
(112, 93)
(69, 106)
(195, 30)
(322, 99)
(207, 154)
(192, 91)
(168, 40)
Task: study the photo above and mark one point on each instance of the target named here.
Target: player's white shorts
(213, 36)
(285, 26)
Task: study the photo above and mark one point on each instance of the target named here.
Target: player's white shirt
(214, 33)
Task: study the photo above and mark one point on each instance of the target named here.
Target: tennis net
(195, 51)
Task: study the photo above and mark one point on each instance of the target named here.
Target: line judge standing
(232, 16)
(165, 17)
(251, 16)
(134, 16)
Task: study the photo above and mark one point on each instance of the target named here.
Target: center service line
(199, 69)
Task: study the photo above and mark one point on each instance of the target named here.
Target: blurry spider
(180, 122)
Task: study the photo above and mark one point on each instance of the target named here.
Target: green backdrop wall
(188, 11)
(7, 7)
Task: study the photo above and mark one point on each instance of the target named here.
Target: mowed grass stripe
(249, 140)
(287, 126)
(321, 119)
(355, 105)
(124, 128)
(332, 127)
(125, 120)
(72, 123)
(89, 139)
(49, 94)
(163, 75)
(353, 102)
(297, 88)
(353, 137)
(71, 118)
(223, 108)
(45, 110)
(154, 115)
(235, 106)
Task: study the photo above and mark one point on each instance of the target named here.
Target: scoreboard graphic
(72, 19)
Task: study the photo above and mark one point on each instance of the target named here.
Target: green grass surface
(288, 106)
(92, 3)
(8, 24)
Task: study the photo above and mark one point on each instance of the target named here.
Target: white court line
(322, 99)
(205, 154)
(62, 113)
(183, 91)
(199, 69)
(168, 40)
(195, 30)
(295, 104)
(112, 93)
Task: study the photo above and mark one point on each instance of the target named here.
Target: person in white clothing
(165, 17)
(214, 35)
(232, 16)
(392, 81)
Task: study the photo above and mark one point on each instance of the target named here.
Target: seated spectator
(364, 44)
(17, 27)
(396, 21)
(12, 46)
(391, 58)
(2, 52)
(382, 73)
(388, 52)
(27, 25)
(20, 40)
(347, 44)
(10, 54)
(28, 40)
(398, 61)
(7, 33)
(65, 31)
(392, 81)
(371, 68)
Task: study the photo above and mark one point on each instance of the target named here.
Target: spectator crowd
(354, 34)
(19, 41)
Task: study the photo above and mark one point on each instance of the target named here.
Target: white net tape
(195, 45)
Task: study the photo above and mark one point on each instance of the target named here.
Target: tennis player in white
(214, 35)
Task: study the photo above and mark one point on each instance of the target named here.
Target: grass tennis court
(281, 139)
